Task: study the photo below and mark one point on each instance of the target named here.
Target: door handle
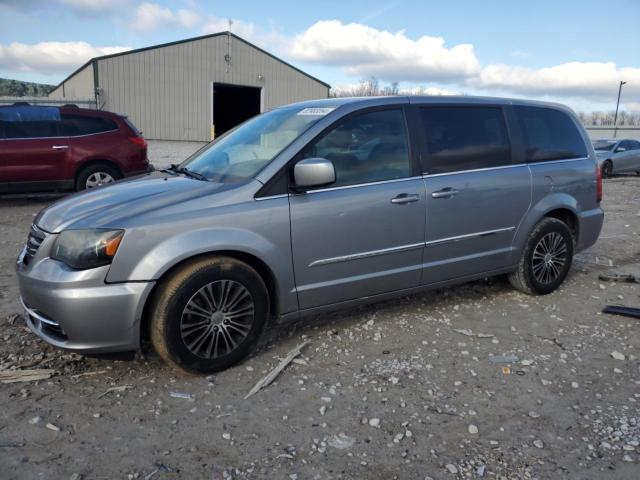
(445, 193)
(60, 147)
(405, 198)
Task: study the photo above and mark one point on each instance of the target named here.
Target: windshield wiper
(189, 173)
(172, 169)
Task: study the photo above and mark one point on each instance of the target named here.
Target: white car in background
(617, 156)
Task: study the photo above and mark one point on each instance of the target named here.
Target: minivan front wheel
(208, 315)
(546, 258)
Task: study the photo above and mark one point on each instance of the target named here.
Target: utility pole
(615, 118)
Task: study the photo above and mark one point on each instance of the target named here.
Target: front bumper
(77, 310)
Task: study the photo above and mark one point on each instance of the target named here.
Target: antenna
(227, 57)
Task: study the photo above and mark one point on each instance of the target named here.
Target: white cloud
(631, 106)
(213, 24)
(363, 51)
(427, 91)
(151, 16)
(50, 57)
(358, 50)
(594, 80)
(91, 7)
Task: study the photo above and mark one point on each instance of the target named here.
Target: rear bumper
(590, 227)
(77, 310)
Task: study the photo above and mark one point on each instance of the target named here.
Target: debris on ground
(503, 359)
(185, 396)
(13, 376)
(341, 441)
(617, 355)
(621, 310)
(469, 333)
(618, 277)
(88, 374)
(53, 427)
(120, 388)
(271, 376)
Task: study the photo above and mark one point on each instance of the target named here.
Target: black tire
(607, 169)
(527, 277)
(190, 286)
(96, 169)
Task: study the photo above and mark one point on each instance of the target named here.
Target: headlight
(82, 249)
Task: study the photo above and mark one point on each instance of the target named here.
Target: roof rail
(21, 103)
(70, 105)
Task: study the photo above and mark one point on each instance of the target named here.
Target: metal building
(191, 89)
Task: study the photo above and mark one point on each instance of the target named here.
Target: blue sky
(571, 51)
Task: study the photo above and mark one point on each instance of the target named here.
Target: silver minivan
(310, 207)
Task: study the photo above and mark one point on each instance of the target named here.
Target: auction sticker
(317, 111)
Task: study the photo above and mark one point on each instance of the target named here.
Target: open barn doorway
(232, 105)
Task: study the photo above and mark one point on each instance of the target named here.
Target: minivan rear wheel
(96, 175)
(546, 258)
(209, 314)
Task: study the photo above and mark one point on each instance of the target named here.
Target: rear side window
(73, 125)
(464, 138)
(549, 135)
(132, 126)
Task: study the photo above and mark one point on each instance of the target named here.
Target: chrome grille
(34, 240)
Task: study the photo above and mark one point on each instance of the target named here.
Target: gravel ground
(401, 389)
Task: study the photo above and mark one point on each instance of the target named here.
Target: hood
(112, 205)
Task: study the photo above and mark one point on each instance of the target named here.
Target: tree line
(371, 87)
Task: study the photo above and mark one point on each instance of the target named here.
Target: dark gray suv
(309, 207)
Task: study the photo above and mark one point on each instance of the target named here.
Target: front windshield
(241, 153)
(604, 144)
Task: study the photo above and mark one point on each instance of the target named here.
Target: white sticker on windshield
(318, 111)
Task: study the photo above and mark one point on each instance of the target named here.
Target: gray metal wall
(78, 86)
(167, 91)
(607, 132)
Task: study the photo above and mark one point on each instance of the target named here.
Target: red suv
(66, 148)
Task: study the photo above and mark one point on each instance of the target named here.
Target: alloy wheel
(549, 258)
(217, 318)
(98, 179)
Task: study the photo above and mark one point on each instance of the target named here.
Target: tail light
(599, 183)
(139, 141)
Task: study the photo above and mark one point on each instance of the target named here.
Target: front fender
(147, 253)
(165, 255)
(552, 201)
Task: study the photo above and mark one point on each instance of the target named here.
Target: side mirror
(313, 172)
(620, 149)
